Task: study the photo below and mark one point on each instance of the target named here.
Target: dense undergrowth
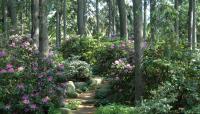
(171, 76)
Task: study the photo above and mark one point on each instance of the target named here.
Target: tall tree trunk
(80, 17)
(110, 17)
(152, 21)
(145, 19)
(123, 19)
(97, 16)
(35, 22)
(65, 18)
(58, 26)
(190, 23)
(58, 30)
(4, 12)
(43, 34)
(113, 17)
(138, 36)
(194, 29)
(13, 14)
(85, 15)
(177, 21)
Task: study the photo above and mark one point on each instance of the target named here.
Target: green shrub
(73, 104)
(77, 70)
(115, 109)
(103, 92)
(25, 86)
(97, 52)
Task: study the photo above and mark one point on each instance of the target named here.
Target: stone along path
(87, 103)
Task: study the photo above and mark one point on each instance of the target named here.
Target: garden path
(87, 103)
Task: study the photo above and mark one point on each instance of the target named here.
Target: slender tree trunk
(4, 12)
(110, 17)
(177, 21)
(138, 33)
(43, 36)
(123, 19)
(80, 17)
(85, 16)
(113, 17)
(58, 30)
(58, 26)
(97, 16)
(145, 19)
(65, 18)
(35, 22)
(190, 23)
(194, 29)
(152, 21)
(13, 14)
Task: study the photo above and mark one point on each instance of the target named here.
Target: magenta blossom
(61, 66)
(10, 70)
(112, 46)
(21, 86)
(26, 101)
(33, 106)
(45, 100)
(2, 53)
(2, 71)
(9, 66)
(50, 78)
(25, 97)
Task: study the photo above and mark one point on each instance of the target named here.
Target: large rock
(96, 81)
(71, 90)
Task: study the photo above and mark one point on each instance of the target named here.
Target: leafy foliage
(77, 70)
(26, 86)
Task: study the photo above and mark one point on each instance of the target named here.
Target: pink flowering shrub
(25, 85)
(122, 76)
(106, 56)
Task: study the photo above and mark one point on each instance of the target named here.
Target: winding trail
(87, 103)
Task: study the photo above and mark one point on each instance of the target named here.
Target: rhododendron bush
(28, 84)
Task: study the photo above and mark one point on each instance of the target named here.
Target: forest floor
(87, 103)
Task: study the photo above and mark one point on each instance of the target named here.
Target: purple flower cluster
(123, 64)
(2, 53)
(9, 69)
(45, 100)
(25, 99)
(123, 44)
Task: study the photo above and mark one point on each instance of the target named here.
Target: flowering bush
(25, 85)
(107, 55)
(77, 70)
(100, 53)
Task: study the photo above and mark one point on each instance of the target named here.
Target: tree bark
(177, 21)
(190, 23)
(194, 31)
(110, 5)
(113, 17)
(80, 17)
(152, 21)
(35, 22)
(123, 19)
(97, 16)
(145, 19)
(13, 14)
(4, 12)
(58, 25)
(43, 34)
(138, 34)
(65, 18)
